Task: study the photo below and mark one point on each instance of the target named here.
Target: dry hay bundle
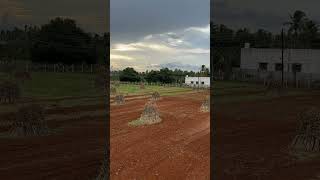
(274, 88)
(142, 86)
(119, 99)
(9, 92)
(308, 132)
(155, 96)
(116, 83)
(205, 107)
(113, 90)
(30, 121)
(103, 171)
(150, 114)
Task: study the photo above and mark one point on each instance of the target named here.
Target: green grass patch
(53, 85)
(130, 89)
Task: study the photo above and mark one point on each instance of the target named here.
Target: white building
(197, 81)
(301, 62)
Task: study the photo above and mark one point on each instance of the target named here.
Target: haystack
(155, 96)
(113, 90)
(205, 107)
(307, 138)
(30, 121)
(274, 88)
(142, 86)
(9, 92)
(119, 99)
(103, 171)
(150, 114)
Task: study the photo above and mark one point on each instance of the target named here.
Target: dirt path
(73, 153)
(177, 148)
(253, 139)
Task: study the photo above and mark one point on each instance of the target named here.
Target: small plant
(205, 107)
(119, 99)
(155, 96)
(308, 132)
(9, 92)
(30, 121)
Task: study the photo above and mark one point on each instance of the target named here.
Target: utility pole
(282, 68)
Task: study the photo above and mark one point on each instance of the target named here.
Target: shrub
(30, 121)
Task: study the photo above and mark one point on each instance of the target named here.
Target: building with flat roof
(197, 81)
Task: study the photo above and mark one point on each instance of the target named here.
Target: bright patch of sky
(187, 49)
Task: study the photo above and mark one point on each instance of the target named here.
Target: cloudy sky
(150, 34)
(90, 15)
(267, 14)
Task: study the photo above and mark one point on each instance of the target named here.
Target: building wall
(309, 58)
(189, 80)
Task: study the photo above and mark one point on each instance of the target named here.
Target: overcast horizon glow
(145, 36)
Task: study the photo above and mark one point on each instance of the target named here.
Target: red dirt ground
(256, 135)
(74, 153)
(177, 148)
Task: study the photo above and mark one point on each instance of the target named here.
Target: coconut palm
(296, 24)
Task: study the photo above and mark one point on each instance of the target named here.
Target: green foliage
(63, 41)
(130, 75)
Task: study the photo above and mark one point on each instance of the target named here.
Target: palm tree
(310, 31)
(296, 24)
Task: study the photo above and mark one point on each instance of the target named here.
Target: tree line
(163, 75)
(300, 32)
(59, 41)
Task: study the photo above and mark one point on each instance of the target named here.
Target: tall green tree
(62, 41)
(129, 75)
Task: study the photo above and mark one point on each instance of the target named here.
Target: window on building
(278, 67)
(202, 82)
(296, 67)
(263, 66)
(191, 82)
(197, 82)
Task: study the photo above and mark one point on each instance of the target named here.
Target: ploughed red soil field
(253, 138)
(75, 151)
(176, 148)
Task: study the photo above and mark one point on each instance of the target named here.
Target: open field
(76, 115)
(130, 89)
(253, 133)
(176, 148)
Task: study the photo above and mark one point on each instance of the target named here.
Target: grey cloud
(131, 20)
(256, 14)
(91, 15)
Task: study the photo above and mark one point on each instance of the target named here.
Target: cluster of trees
(59, 41)
(300, 32)
(163, 75)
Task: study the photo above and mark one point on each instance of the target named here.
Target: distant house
(197, 81)
(302, 62)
